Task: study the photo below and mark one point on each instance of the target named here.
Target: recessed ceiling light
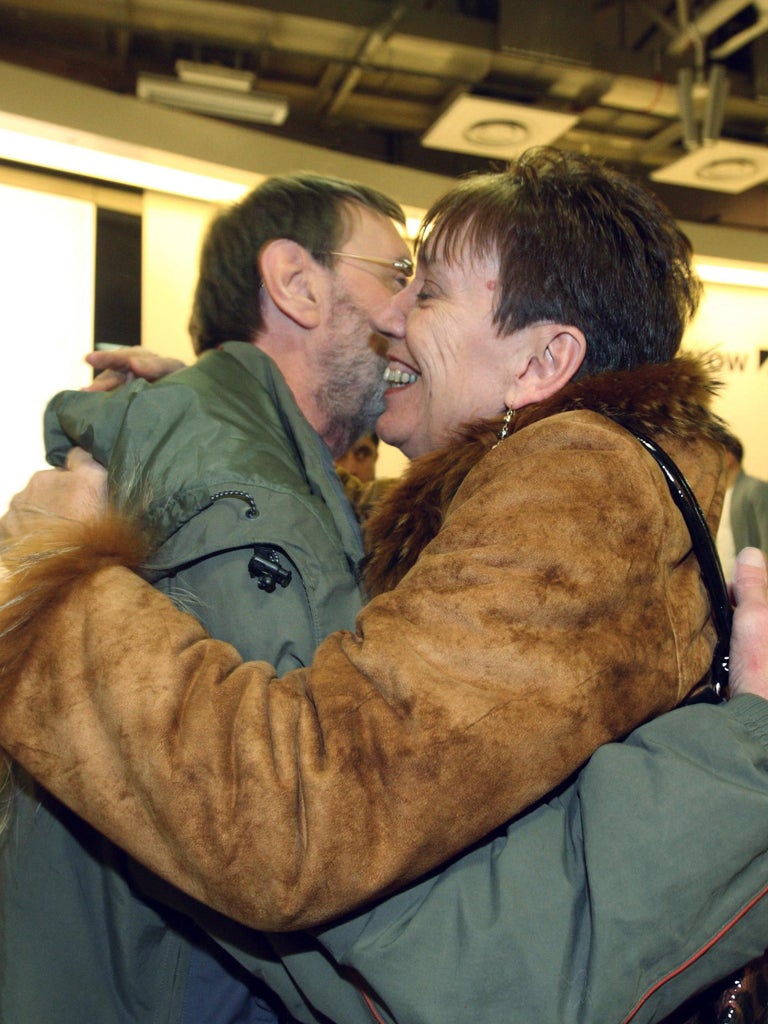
(727, 170)
(497, 133)
(495, 128)
(724, 166)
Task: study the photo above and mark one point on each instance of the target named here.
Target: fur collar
(670, 399)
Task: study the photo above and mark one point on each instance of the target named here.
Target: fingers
(750, 578)
(151, 367)
(113, 359)
(78, 458)
(749, 637)
(108, 380)
(113, 368)
(80, 495)
(24, 509)
(130, 362)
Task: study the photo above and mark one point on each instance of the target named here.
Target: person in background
(230, 463)
(744, 521)
(493, 658)
(360, 460)
(357, 472)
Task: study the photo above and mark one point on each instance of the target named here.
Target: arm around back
(467, 692)
(645, 881)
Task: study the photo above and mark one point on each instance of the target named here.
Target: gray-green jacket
(257, 539)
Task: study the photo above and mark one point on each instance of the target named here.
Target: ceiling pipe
(706, 23)
(744, 38)
(687, 113)
(375, 38)
(691, 33)
(656, 16)
(714, 111)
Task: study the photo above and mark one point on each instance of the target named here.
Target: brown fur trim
(656, 399)
(40, 566)
(36, 569)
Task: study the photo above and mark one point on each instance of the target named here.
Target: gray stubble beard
(352, 396)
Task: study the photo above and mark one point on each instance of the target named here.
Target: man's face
(361, 459)
(452, 367)
(364, 319)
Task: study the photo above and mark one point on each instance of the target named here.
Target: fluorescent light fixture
(495, 128)
(732, 274)
(196, 95)
(41, 144)
(731, 167)
(213, 160)
(215, 75)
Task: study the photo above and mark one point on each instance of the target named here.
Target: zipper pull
(265, 568)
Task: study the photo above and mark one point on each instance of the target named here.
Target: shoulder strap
(709, 560)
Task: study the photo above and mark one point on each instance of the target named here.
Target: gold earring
(508, 417)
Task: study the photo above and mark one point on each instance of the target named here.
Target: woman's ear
(554, 354)
(291, 278)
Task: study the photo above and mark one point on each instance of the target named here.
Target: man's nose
(395, 314)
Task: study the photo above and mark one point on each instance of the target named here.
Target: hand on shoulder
(78, 493)
(121, 365)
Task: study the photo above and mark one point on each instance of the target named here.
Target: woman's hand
(121, 365)
(78, 492)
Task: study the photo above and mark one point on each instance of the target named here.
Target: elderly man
(231, 462)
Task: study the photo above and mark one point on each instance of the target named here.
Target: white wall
(46, 317)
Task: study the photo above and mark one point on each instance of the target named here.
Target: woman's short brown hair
(579, 244)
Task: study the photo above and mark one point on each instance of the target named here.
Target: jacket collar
(655, 399)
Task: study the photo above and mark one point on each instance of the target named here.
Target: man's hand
(121, 365)
(79, 493)
(749, 638)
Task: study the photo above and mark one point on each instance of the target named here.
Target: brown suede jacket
(534, 600)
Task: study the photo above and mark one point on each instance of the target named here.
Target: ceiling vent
(548, 29)
(722, 167)
(494, 128)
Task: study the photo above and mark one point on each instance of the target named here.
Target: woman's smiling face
(453, 367)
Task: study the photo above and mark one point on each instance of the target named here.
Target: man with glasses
(231, 463)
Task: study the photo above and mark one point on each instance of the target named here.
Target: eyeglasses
(403, 265)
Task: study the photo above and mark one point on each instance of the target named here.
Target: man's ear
(291, 278)
(554, 354)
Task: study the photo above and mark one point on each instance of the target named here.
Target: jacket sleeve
(485, 678)
(760, 511)
(86, 419)
(644, 882)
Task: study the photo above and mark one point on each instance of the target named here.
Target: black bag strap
(709, 562)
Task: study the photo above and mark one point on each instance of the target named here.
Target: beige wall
(732, 324)
(172, 229)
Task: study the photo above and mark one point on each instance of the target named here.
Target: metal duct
(542, 28)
